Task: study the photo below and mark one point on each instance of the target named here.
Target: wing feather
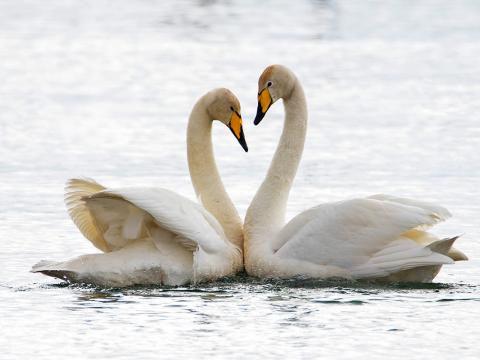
(110, 218)
(192, 224)
(348, 233)
(75, 191)
(436, 210)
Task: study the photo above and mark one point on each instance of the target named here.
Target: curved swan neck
(286, 159)
(266, 214)
(204, 173)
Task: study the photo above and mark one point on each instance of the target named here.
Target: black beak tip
(241, 140)
(258, 118)
(243, 143)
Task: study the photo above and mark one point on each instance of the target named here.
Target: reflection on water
(95, 89)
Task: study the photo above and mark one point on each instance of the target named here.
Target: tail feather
(457, 255)
(442, 246)
(407, 255)
(439, 248)
(53, 269)
(42, 264)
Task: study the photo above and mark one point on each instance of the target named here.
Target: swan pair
(155, 236)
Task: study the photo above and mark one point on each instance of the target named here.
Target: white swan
(380, 237)
(153, 235)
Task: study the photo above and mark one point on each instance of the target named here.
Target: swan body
(153, 235)
(381, 237)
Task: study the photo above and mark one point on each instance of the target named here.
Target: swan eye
(231, 108)
(269, 83)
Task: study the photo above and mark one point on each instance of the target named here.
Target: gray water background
(103, 89)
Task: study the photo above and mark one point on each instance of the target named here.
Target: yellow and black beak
(235, 126)
(264, 103)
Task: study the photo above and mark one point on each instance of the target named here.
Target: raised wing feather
(349, 233)
(75, 191)
(436, 210)
(191, 223)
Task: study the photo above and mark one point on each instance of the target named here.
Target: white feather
(152, 235)
(377, 237)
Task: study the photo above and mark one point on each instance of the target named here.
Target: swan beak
(235, 126)
(264, 103)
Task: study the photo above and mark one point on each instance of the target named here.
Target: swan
(153, 235)
(379, 238)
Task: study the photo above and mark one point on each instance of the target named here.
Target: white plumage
(153, 235)
(380, 237)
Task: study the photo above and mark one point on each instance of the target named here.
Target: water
(103, 89)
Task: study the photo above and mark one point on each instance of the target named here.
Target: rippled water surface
(103, 89)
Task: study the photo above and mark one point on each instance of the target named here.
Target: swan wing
(75, 191)
(113, 218)
(136, 211)
(351, 233)
(436, 210)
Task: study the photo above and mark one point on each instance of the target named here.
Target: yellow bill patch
(265, 99)
(236, 124)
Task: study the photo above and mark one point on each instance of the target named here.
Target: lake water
(103, 89)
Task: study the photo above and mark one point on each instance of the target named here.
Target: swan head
(224, 106)
(276, 82)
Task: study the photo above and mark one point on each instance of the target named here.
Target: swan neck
(266, 214)
(204, 174)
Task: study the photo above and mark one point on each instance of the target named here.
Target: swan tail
(457, 255)
(137, 264)
(54, 269)
(445, 247)
(396, 260)
(429, 240)
(42, 264)
(442, 246)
